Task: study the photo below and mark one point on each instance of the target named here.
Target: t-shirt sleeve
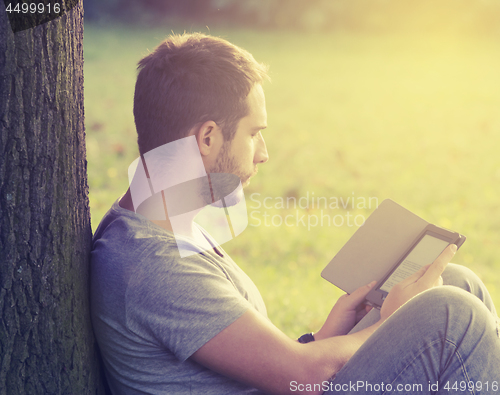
(181, 303)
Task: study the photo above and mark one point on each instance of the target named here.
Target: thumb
(359, 295)
(414, 277)
(438, 266)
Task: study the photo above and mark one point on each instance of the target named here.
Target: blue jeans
(444, 341)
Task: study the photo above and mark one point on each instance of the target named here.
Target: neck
(183, 224)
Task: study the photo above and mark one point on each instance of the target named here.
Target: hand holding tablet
(389, 247)
(425, 278)
(424, 251)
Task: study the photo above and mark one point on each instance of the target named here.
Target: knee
(450, 304)
(464, 278)
(446, 297)
(455, 311)
(444, 312)
(460, 276)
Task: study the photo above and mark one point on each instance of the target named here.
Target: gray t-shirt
(151, 309)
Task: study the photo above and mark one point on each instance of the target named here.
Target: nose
(261, 155)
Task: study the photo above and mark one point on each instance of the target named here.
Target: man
(169, 323)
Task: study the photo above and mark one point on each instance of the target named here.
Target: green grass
(412, 118)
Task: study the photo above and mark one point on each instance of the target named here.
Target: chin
(234, 198)
(246, 181)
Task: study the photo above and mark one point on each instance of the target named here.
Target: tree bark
(46, 340)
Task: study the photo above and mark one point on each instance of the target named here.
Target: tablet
(426, 248)
(375, 247)
(380, 245)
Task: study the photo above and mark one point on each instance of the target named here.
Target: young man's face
(247, 149)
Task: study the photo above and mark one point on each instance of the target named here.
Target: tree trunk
(46, 340)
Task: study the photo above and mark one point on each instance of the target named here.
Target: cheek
(252, 151)
(246, 150)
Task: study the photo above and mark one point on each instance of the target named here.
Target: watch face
(308, 337)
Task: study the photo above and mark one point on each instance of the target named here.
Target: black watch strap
(308, 337)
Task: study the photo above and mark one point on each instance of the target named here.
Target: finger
(363, 307)
(360, 315)
(439, 282)
(359, 295)
(437, 268)
(414, 277)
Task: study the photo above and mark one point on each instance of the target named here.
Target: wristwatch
(308, 337)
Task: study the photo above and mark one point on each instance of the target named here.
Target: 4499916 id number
(472, 386)
(34, 8)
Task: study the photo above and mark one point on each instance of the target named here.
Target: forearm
(252, 350)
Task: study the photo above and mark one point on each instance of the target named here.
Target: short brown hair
(190, 79)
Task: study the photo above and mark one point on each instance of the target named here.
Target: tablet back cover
(375, 247)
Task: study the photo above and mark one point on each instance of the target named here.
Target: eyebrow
(257, 128)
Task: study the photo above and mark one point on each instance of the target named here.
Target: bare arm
(252, 350)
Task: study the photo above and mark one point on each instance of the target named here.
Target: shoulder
(123, 232)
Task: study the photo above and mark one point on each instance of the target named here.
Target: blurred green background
(368, 99)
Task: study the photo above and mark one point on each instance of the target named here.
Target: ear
(208, 137)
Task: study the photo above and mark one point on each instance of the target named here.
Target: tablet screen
(425, 252)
